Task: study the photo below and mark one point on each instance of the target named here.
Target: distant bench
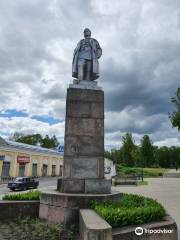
(129, 179)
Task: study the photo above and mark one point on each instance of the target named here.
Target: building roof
(26, 147)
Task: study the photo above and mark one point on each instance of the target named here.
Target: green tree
(175, 116)
(174, 156)
(48, 142)
(107, 154)
(115, 155)
(128, 146)
(33, 139)
(156, 161)
(163, 157)
(167, 157)
(136, 154)
(147, 153)
(36, 139)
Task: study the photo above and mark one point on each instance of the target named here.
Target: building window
(34, 170)
(53, 170)
(22, 169)
(61, 170)
(6, 169)
(44, 170)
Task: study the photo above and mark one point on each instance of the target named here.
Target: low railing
(127, 179)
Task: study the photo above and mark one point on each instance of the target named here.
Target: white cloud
(27, 125)
(168, 142)
(139, 66)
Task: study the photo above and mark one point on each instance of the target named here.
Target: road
(49, 182)
(165, 190)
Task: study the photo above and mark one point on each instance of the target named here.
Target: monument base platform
(89, 186)
(84, 84)
(64, 208)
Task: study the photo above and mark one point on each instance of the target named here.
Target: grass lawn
(147, 172)
(142, 183)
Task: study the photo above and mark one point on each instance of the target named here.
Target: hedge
(130, 210)
(31, 195)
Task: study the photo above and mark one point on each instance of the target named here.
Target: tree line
(36, 139)
(144, 155)
(129, 154)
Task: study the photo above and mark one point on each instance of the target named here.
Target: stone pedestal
(83, 170)
(64, 208)
(84, 140)
(69, 185)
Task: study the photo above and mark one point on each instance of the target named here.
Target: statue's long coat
(96, 53)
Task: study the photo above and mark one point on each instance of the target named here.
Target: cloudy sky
(140, 65)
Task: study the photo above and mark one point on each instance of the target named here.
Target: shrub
(31, 195)
(130, 171)
(36, 229)
(142, 183)
(130, 210)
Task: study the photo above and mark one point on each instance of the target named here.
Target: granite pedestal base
(64, 208)
(83, 168)
(94, 186)
(84, 84)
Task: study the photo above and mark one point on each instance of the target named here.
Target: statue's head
(87, 32)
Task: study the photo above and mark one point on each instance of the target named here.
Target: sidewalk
(174, 171)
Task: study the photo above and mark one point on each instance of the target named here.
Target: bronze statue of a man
(85, 64)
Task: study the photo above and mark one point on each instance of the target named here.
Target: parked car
(23, 183)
